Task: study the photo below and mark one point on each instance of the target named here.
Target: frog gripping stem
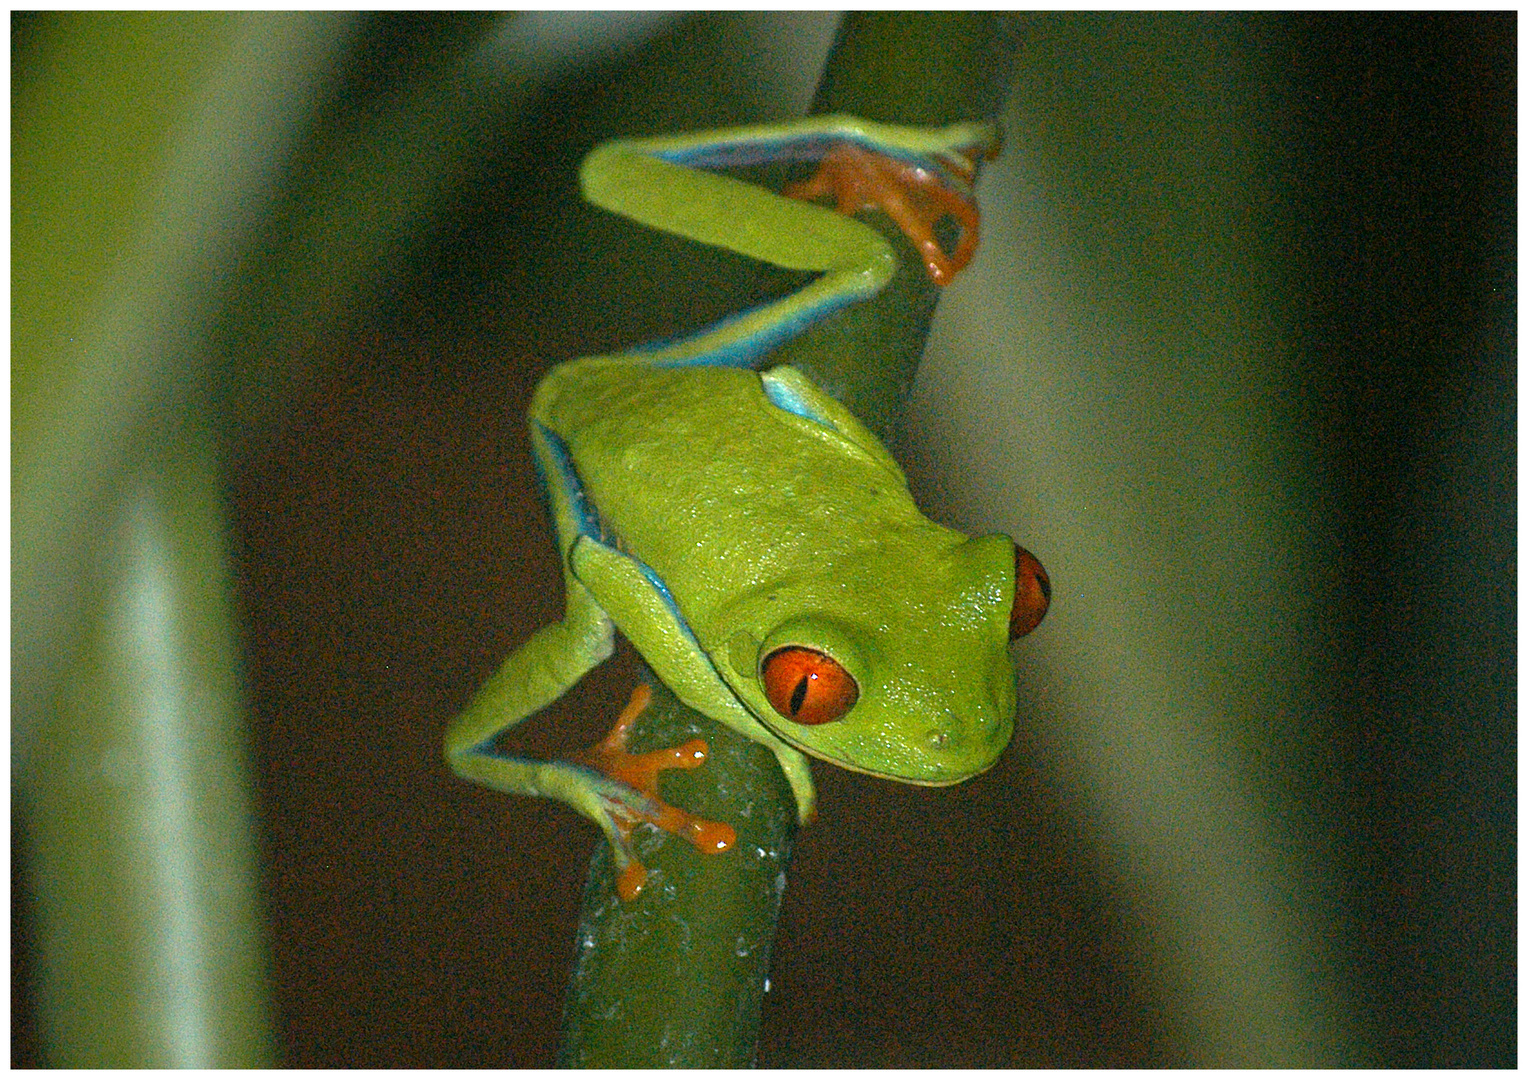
(639, 772)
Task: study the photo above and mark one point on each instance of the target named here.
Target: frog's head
(898, 666)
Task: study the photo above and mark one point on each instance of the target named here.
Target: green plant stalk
(676, 978)
(138, 790)
(135, 167)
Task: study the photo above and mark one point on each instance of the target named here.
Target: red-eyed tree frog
(751, 538)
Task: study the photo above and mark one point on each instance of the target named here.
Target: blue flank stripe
(585, 516)
(591, 528)
(667, 597)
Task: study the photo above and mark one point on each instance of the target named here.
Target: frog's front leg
(610, 787)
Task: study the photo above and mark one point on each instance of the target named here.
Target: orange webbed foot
(640, 773)
(916, 198)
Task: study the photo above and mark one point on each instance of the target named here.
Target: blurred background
(1236, 360)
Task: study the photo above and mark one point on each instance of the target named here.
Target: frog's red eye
(807, 686)
(1031, 594)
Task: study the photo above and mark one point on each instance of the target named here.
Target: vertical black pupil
(798, 695)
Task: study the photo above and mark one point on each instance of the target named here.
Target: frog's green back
(695, 470)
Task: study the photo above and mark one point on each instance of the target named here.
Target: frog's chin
(949, 781)
(901, 778)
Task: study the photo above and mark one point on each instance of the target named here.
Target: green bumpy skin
(716, 515)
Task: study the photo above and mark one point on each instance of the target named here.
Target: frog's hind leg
(917, 175)
(854, 260)
(662, 182)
